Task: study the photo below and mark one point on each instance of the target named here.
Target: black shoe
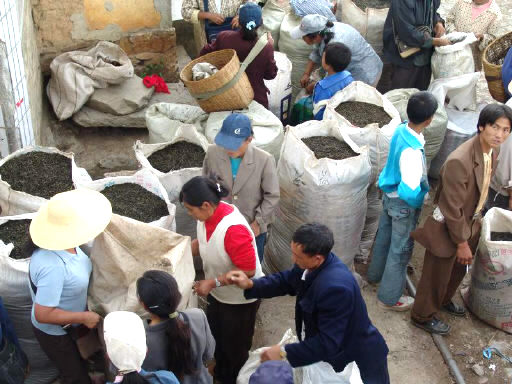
(433, 326)
(454, 309)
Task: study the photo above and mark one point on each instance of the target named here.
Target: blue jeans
(393, 248)
(261, 240)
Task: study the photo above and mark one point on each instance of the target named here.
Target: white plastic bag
(332, 192)
(461, 90)
(280, 88)
(489, 296)
(15, 293)
(455, 59)
(268, 129)
(273, 14)
(146, 179)
(323, 373)
(163, 119)
(16, 202)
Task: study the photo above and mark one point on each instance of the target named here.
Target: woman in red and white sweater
(224, 241)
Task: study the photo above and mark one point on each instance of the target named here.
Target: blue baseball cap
(236, 128)
(273, 371)
(249, 15)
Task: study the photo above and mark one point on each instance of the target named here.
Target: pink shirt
(476, 10)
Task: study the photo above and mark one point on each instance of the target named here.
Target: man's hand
(479, 36)
(304, 81)
(195, 247)
(239, 279)
(235, 23)
(216, 18)
(203, 287)
(439, 29)
(272, 353)
(437, 42)
(91, 319)
(464, 255)
(255, 228)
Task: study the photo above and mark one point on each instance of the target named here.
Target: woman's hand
(270, 40)
(479, 36)
(91, 319)
(215, 18)
(304, 81)
(235, 23)
(439, 29)
(310, 88)
(203, 287)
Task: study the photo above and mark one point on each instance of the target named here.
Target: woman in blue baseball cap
(263, 67)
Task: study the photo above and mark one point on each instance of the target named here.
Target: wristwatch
(282, 353)
(217, 283)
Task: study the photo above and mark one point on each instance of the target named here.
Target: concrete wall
(65, 25)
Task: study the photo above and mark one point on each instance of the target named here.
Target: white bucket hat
(510, 87)
(125, 339)
(70, 219)
(309, 24)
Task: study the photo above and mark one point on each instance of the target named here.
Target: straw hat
(70, 219)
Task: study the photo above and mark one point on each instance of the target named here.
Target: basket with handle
(229, 88)
(492, 54)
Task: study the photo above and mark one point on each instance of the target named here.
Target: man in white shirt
(404, 183)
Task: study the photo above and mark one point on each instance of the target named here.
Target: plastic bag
(332, 192)
(280, 88)
(489, 296)
(323, 373)
(268, 129)
(456, 59)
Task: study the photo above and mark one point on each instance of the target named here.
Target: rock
(508, 372)
(183, 57)
(478, 369)
(483, 380)
(121, 99)
(88, 117)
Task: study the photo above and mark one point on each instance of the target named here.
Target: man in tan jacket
(248, 172)
(451, 234)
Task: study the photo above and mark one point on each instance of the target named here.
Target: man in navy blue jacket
(330, 314)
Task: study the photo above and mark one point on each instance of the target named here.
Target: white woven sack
(172, 181)
(332, 192)
(268, 129)
(461, 90)
(16, 202)
(455, 59)
(146, 179)
(273, 13)
(297, 50)
(163, 119)
(280, 88)
(489, 296)
(15, 293)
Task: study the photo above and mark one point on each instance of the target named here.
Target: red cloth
(157, 82)
(238, 239)
(263, 66)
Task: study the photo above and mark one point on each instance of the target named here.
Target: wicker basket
(495, 51)
(239, 96)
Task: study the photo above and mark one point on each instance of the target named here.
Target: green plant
(153, 69)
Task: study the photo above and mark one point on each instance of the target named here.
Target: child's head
(336, 57)
(421, 108)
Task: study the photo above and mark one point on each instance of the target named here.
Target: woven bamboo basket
(239, 96)
(494, 52)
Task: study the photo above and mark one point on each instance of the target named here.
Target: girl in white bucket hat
(125, 340)
(59, 276)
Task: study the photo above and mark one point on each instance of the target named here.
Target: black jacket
(407, 15)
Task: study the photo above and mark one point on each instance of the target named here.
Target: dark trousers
(63, 352)
(232, 327)
(261, 240)
(415, 77)
(496, 199)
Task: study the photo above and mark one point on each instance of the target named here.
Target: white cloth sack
(202, 71)
(163, 119)
(268, 129)
(75, 75)
(461, 90)
(369, 23)
(146, 179)
(489, 296)
(456, 59)
(15, 293)
(434, 133)
(280, 88)
(273, 13)
(124, 251)
(377, 139)
(16, 202)
(172, 181)
(332, 192)
(296, 50)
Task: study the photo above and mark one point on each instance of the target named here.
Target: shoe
(433, 326)
(454, 309)
(403, 304)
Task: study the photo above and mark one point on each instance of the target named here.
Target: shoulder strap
(32, 285)
(255, 51)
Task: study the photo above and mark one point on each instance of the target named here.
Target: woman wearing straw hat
(263, 67)
(59, 275)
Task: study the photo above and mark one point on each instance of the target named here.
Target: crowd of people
(234, 203)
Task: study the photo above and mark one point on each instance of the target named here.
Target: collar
(248, 157)
(332, 79)
(493, 8)
(409, 135)
(417, 135)
(221, 211)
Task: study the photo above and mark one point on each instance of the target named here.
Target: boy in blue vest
(404, 183)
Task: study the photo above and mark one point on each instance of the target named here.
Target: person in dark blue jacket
(330, 314)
